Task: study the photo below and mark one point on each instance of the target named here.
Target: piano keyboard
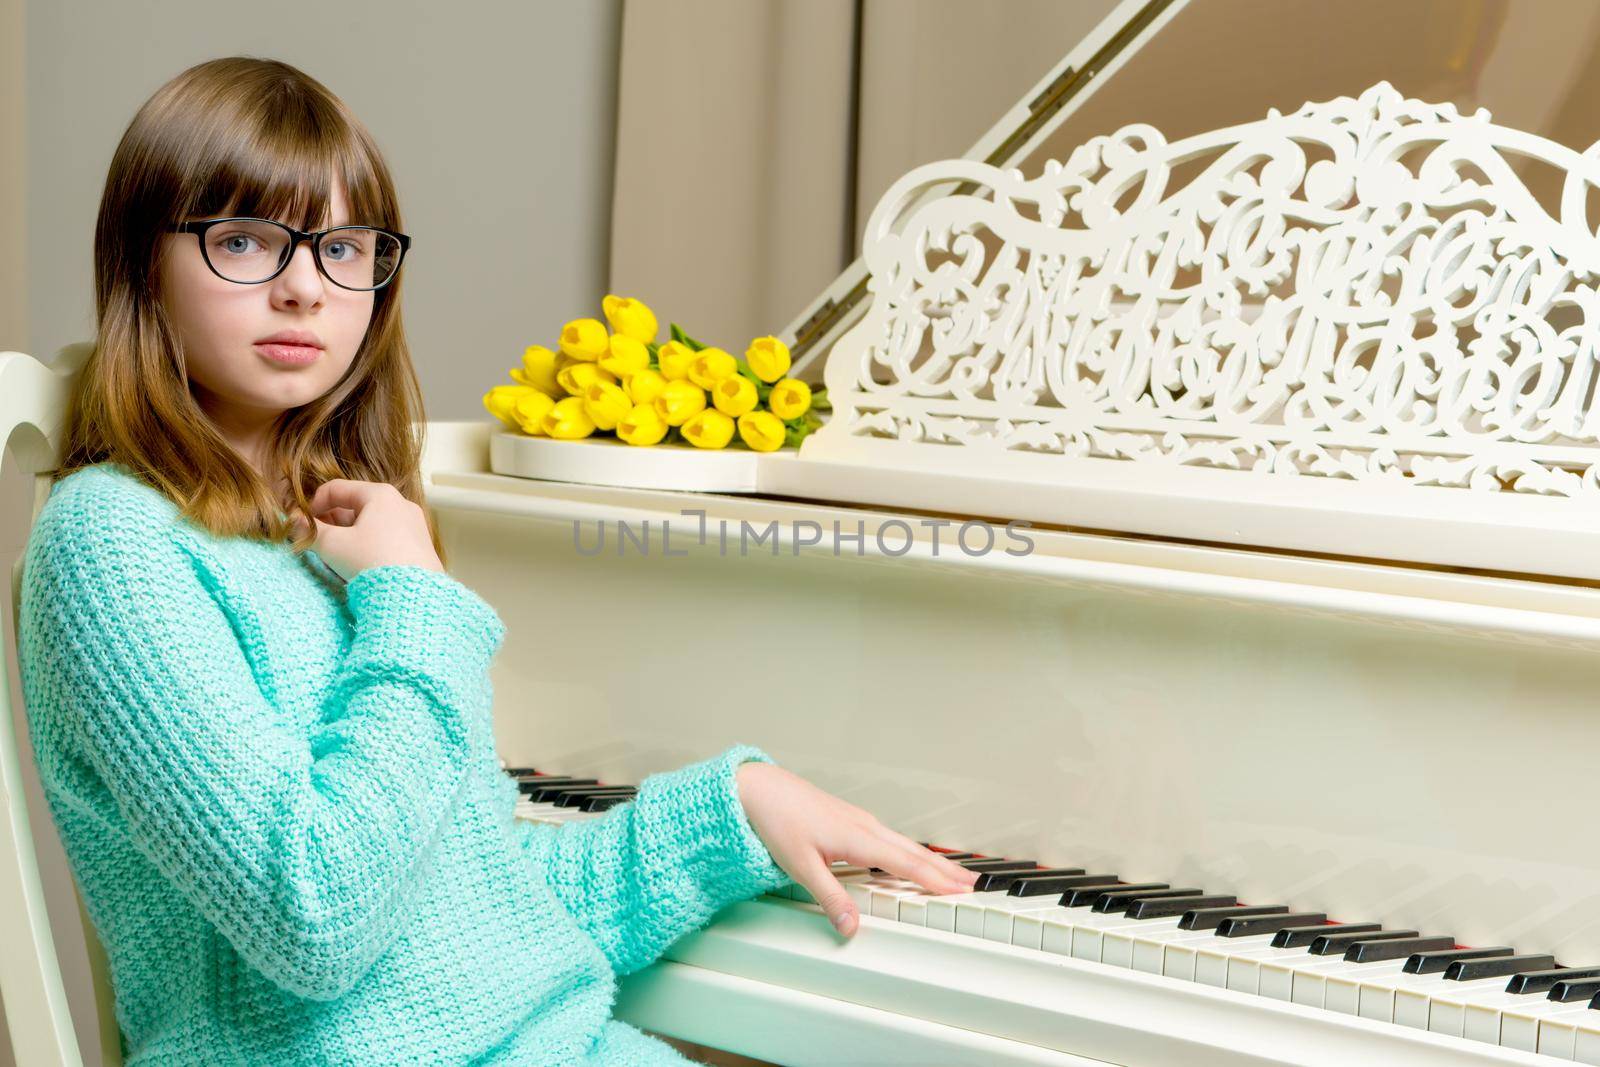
(1519, 1001)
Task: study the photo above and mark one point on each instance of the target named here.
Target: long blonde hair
(258, 137)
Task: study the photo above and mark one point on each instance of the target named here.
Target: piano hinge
(822, 320)
(1070, 81)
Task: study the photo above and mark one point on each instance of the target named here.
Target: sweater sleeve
(301, 848)
(659, 866)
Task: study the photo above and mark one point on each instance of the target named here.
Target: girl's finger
(950, 868)
(830, 896)
(910, 860)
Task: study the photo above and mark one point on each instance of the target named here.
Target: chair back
(33, 404)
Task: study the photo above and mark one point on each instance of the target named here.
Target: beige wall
(497, 120)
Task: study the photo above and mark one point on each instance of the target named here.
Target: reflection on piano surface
(1274, 750)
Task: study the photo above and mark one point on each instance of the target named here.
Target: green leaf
(683, 338)
(820, 401)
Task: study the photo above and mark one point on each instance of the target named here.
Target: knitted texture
(281, 801)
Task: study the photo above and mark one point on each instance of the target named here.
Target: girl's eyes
(352, 248)
(230, 243)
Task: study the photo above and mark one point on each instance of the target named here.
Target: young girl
(266, 741)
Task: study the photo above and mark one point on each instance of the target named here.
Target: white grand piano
(1298, 399)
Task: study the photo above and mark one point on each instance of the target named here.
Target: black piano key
(538, 785)
(1167, 907)
(1373, 951)
(1541, 981)
(1250, 926)
(1011, 881)
(1211, 918)
(1336, 944)
(520, 772)
(997, 864)
(573, 797)
(1077, 898)
(953, 856)
(604, 803)
(1122, 897)
(1034, 887)
(1434, 962)
(1301, 936)
(1037, 887)
(1495, 967)
(1569, 989)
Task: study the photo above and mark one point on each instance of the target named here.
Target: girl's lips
(282, 353)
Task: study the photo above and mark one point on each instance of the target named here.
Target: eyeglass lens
(250, 250)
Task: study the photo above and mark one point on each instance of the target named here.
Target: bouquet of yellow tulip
(623, 382)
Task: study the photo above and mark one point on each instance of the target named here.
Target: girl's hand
(368, 524)
(806, 829)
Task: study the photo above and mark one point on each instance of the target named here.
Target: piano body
(1298, 408)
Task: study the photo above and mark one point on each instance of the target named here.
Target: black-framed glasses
(252, 251)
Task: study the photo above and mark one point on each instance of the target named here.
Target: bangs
(285, 170)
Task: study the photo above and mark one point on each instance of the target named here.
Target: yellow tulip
(674, 358)
(761, 430)
(631, 318)
(531, 410)
(789, 398)
(500, 401)
(643, 386)
(627, 355)
(710, 366)
(642, 426)
(567, 420)
(576, 378)
(539, 366)
(708, 429)
(768, 358)
(605, 403)
(585, 339)
(679, 400)
(734, 395)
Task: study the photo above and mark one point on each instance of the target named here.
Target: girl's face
(222, 323)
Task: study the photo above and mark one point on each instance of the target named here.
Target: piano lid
(1184, 66)
(1252, 299)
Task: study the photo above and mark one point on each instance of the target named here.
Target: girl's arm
(302, 851)
(660, 865)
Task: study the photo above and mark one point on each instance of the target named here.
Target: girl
(260, 705)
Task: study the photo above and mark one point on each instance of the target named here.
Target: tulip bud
(631, 318)
(567, 420)
(642, 426)
(789, 398)
(734, 395)
(627, 355)
(762, 431)
(710, 366)
(643, 386)
(575, 378)
(605, 403)
(501, 400)
(585, 339)
(708, 429)
(539, 366)
(674, 358)
(531, 410)
(679, 400)
(768, 358)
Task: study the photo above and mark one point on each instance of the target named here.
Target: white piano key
(1558, 1032)
(1519, 1023)
(1213, 958)
(1341, 990)
(1001, 913)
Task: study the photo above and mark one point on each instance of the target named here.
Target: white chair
(33, 401)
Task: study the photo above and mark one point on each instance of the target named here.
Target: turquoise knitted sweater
(280, 797)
